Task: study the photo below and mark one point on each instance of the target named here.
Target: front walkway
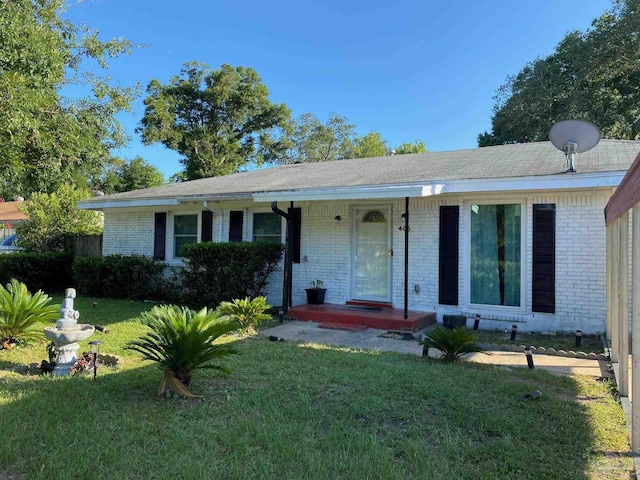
(370, 339)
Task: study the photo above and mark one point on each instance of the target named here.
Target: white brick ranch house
(506, 232)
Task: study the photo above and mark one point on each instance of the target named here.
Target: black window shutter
(207, 226)
(543, 284)
(448, 257)
(295, 217)
(160, 235)
(236, 218)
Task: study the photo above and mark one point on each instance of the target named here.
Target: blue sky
(411, 70)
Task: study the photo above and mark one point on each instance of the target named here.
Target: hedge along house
(505, 232)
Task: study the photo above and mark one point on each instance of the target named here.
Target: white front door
(372, 254)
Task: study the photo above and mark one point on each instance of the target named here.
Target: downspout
(205, 204)
(406, 257)
(287, 280)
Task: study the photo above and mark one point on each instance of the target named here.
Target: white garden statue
(67, 333)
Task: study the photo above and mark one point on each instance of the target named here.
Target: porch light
(337, 218)
(529, 354)
(95, 349)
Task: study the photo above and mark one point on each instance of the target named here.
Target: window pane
(374, 216)
(495, 254)
(185, 232)
(267, 227)
(185, 225)
(181, 241)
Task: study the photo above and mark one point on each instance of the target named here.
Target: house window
(374, 216)
(495, 254)
(267, 227)
(185, 232)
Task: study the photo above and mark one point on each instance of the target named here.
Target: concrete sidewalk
(370, 339)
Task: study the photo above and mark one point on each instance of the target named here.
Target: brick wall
(128, 232)
(326, 254)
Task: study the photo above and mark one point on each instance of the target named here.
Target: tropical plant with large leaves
(183, 340)
(452, 342)
(248, 312)
(20, 311)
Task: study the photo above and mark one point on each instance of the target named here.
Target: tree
(407, 147)
(593, 75)
(371, 145)
(219, 121)
(47, 138)
(336, 139)
(313, 141)
(54, 216)
(124, 176)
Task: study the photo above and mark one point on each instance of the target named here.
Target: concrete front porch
(367, 315)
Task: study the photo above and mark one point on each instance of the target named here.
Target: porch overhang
(349, 193)
(561, 181)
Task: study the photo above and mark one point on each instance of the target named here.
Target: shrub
(119, 276)
(53, 216)
(50, 272)
(452, 342)
(218, 272)
(248, 312)
(181, 341)
(20, 311)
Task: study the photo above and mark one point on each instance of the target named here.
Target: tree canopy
(313, 141)
(54, 216)
(592, 75)
(218, 120)
(407, 147)
(336, 139)
(126, 175)
(370, 145)
(47, 138)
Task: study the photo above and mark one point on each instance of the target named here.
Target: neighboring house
(505, 232)
(10, 218)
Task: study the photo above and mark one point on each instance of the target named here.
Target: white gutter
(158, 202)
(562, 181)
(99, 205)
(349, 193)
(222, 197)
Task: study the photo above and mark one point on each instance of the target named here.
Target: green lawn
(293, 411)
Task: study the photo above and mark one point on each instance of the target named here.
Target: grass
(292, 411)
(560, 341)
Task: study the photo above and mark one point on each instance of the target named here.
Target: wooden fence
(84, 245)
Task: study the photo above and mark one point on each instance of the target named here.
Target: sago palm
(452, 342)
(248, 312)
(20, 311)
(181, 341)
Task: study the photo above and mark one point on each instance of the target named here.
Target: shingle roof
(9, 212)
(503, 161)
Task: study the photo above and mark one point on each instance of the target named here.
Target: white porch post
(623, 305)
(635, 328)
(615, 266)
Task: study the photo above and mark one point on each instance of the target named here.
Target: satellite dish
(574, 136)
